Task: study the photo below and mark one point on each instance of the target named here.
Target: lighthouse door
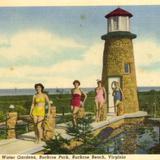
(111, 108)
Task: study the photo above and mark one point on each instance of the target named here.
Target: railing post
(49, 124)
(120, 109)
(103, 112)
(11, 124)
(81, 113)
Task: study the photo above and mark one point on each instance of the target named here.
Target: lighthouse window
(123, 23)
(115, 23)
(127, 68)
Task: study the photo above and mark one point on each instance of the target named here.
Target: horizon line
(67, 87)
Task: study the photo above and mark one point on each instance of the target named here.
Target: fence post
(11, 124)
(49, 124)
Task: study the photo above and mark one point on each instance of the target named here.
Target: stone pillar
(120, 109)
(103, 112)
(49, 124)
(81, 112)
(11, 124)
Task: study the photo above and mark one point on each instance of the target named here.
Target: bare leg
(97, 111)
(72, 114)
(75, 112)
(100, 110)
(39, 127)
(71, 108)
(115, 107)
(35, 120)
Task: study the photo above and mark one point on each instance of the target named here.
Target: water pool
(143, 138)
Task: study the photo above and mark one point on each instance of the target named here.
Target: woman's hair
(99, 81)
(117, 83)
(39, 84)
(76, 81)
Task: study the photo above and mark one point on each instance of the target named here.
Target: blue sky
(88, 21)
(54, 45)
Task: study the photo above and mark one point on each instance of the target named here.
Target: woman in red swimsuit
(76, 100)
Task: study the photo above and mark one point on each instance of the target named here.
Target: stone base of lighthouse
(118, 53)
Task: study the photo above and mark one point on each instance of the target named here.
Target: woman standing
(117, 94)
(37, 111)
(100, 99)
(76, 100)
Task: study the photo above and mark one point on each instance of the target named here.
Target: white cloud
(148, 78)
(29, 44)
(63, 73)
(147, 52)
(4, 40)
(95, 54)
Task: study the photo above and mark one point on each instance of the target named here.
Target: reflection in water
(132, 139)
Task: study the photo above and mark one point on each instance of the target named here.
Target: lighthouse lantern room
(118, 20)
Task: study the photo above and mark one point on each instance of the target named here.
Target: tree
(83, 131)
(57, 146)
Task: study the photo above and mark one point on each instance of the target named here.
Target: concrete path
(25, 143)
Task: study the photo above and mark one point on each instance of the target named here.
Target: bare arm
(121, 92)
(113, 92)
(112, 85)
(96, 90)
(71, 91)
(49, 105)
(105, 94)
(32, 105)
(85, 95)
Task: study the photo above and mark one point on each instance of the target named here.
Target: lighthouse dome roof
(119, 12)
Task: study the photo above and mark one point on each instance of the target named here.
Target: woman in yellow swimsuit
(37, 111)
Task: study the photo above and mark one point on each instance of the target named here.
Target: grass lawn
(148, 101)
(23, 103)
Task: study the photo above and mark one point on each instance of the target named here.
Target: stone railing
(48, 123)
(14, 122)
(11, 124)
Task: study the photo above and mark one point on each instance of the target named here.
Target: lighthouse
(118, 60)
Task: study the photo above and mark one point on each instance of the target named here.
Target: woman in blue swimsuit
(117, 94)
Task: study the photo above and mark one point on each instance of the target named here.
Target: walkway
(25, 143)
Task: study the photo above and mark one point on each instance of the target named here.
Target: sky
(55, 45)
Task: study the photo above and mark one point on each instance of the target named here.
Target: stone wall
(11, 124)
(117, 52)
(49, 124)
